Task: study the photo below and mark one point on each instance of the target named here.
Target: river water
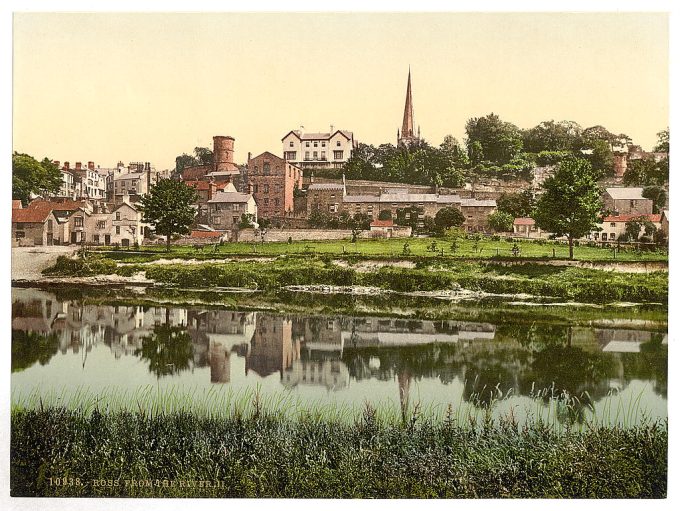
(67, 345)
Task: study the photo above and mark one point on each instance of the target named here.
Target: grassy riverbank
(465, 248)
(568, 283)
(264, 455)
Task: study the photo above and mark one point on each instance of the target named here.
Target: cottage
(626, 201)
(612, 227)
(33, 226)
(226, 209)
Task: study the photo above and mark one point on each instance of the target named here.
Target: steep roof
(31, 216)
(625, 193)
(16, 204)
(66, 205)
(407, 123)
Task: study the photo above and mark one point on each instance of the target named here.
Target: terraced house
(272, 181)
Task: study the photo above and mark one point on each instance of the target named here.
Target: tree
(204, 155)
(552, 136)
(500, 141)
(448, 217)
(516, 204)
(646, 172)
(31, 177)
(662, 144)
(500, 221)
(571, 201)
(409, 216)
(168, 350)
(168, 207)
(658, 195)
(385, 214)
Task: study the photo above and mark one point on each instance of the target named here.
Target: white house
(612, 227)
(318, 150)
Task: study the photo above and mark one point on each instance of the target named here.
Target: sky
(105, 87)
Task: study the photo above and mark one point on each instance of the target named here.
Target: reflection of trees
(31, 347)
(650, 364)
(168, 350)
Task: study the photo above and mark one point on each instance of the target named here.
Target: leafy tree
(500, 221)
(500, 141)
(646, 172)
(571, 201)
(168, 208)
(169, 350)
(247, 221)
(658, 195)
(385, 214)
(183, 161)
(601, 157)
(31, 347)
(516, 204)
(203, 155)
(31, 177)
(640, 226)
(662, 144)
(409, 216)
(552, 136)
(448, 217)
(360, 221)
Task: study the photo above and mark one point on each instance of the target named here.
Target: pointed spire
(407, 124)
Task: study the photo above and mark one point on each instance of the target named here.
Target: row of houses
(45, 222)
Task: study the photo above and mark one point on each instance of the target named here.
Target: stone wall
(299, 234)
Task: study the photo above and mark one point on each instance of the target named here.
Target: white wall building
(318, 150)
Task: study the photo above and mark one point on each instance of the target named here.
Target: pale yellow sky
(109, 87)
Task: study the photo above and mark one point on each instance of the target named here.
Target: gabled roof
(31, 216)
(116, 208)
(230, 197)
(625, 193)
(67, 205)
(267, 153)
(129, 175)
(524, 221)
(319, 136)
(205, 185)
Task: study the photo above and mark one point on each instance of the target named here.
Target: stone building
(222, 168)
(33, 226)
(272, 181)
(318, 150)
(272, 348)
(625, 201)
(226, 209)
(332, 199)
(612, 227)
(122, 225)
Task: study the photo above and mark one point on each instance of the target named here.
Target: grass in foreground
(485, 248)
(60, 452)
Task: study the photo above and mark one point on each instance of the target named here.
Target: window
(316, 144)
(333, 208)
(323, 144)
(235, 207)
(276, 202)
(49, 225)
(332, 196)
(337, 143)
(306, 144)
(78, 221)
(323, 155)
(612, 236)
(291, 155)
(337, 155)
(604, 236)
(265, 169)
(255, 188)
(290, 144)
(596, 235)
(133, 230)
(234, 219)
(19, 234)
(307, 155)
(117, 215)
(216, 220)
(118, 229)
(632, 204)
(612, 224)
(266, 202)
(266, 189)
(101, 224)
(316, 154)
(95, 238)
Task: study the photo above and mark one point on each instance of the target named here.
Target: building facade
(272, 181)
(309, 151)
(226, 209)
(626, 201)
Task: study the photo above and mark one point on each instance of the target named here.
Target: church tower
(407, 135)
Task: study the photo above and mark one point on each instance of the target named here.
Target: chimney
(66, 165)
(57, 162)
(79, 165)
(147, 165)
(249, 154)
(90, 165)
(212, 189)
(126, 198)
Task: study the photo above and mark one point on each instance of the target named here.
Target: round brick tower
(223, 152)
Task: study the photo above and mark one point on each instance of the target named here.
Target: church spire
(408, 134)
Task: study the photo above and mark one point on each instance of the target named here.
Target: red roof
(16, 204)
(206, 234)
(205, 185)
(31, 216)
(382, 223)
(524, 221)
(628, 218)
(67, 205)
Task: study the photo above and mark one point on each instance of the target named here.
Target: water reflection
(333, 353)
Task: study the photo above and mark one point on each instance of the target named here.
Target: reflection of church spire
(404, 379)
